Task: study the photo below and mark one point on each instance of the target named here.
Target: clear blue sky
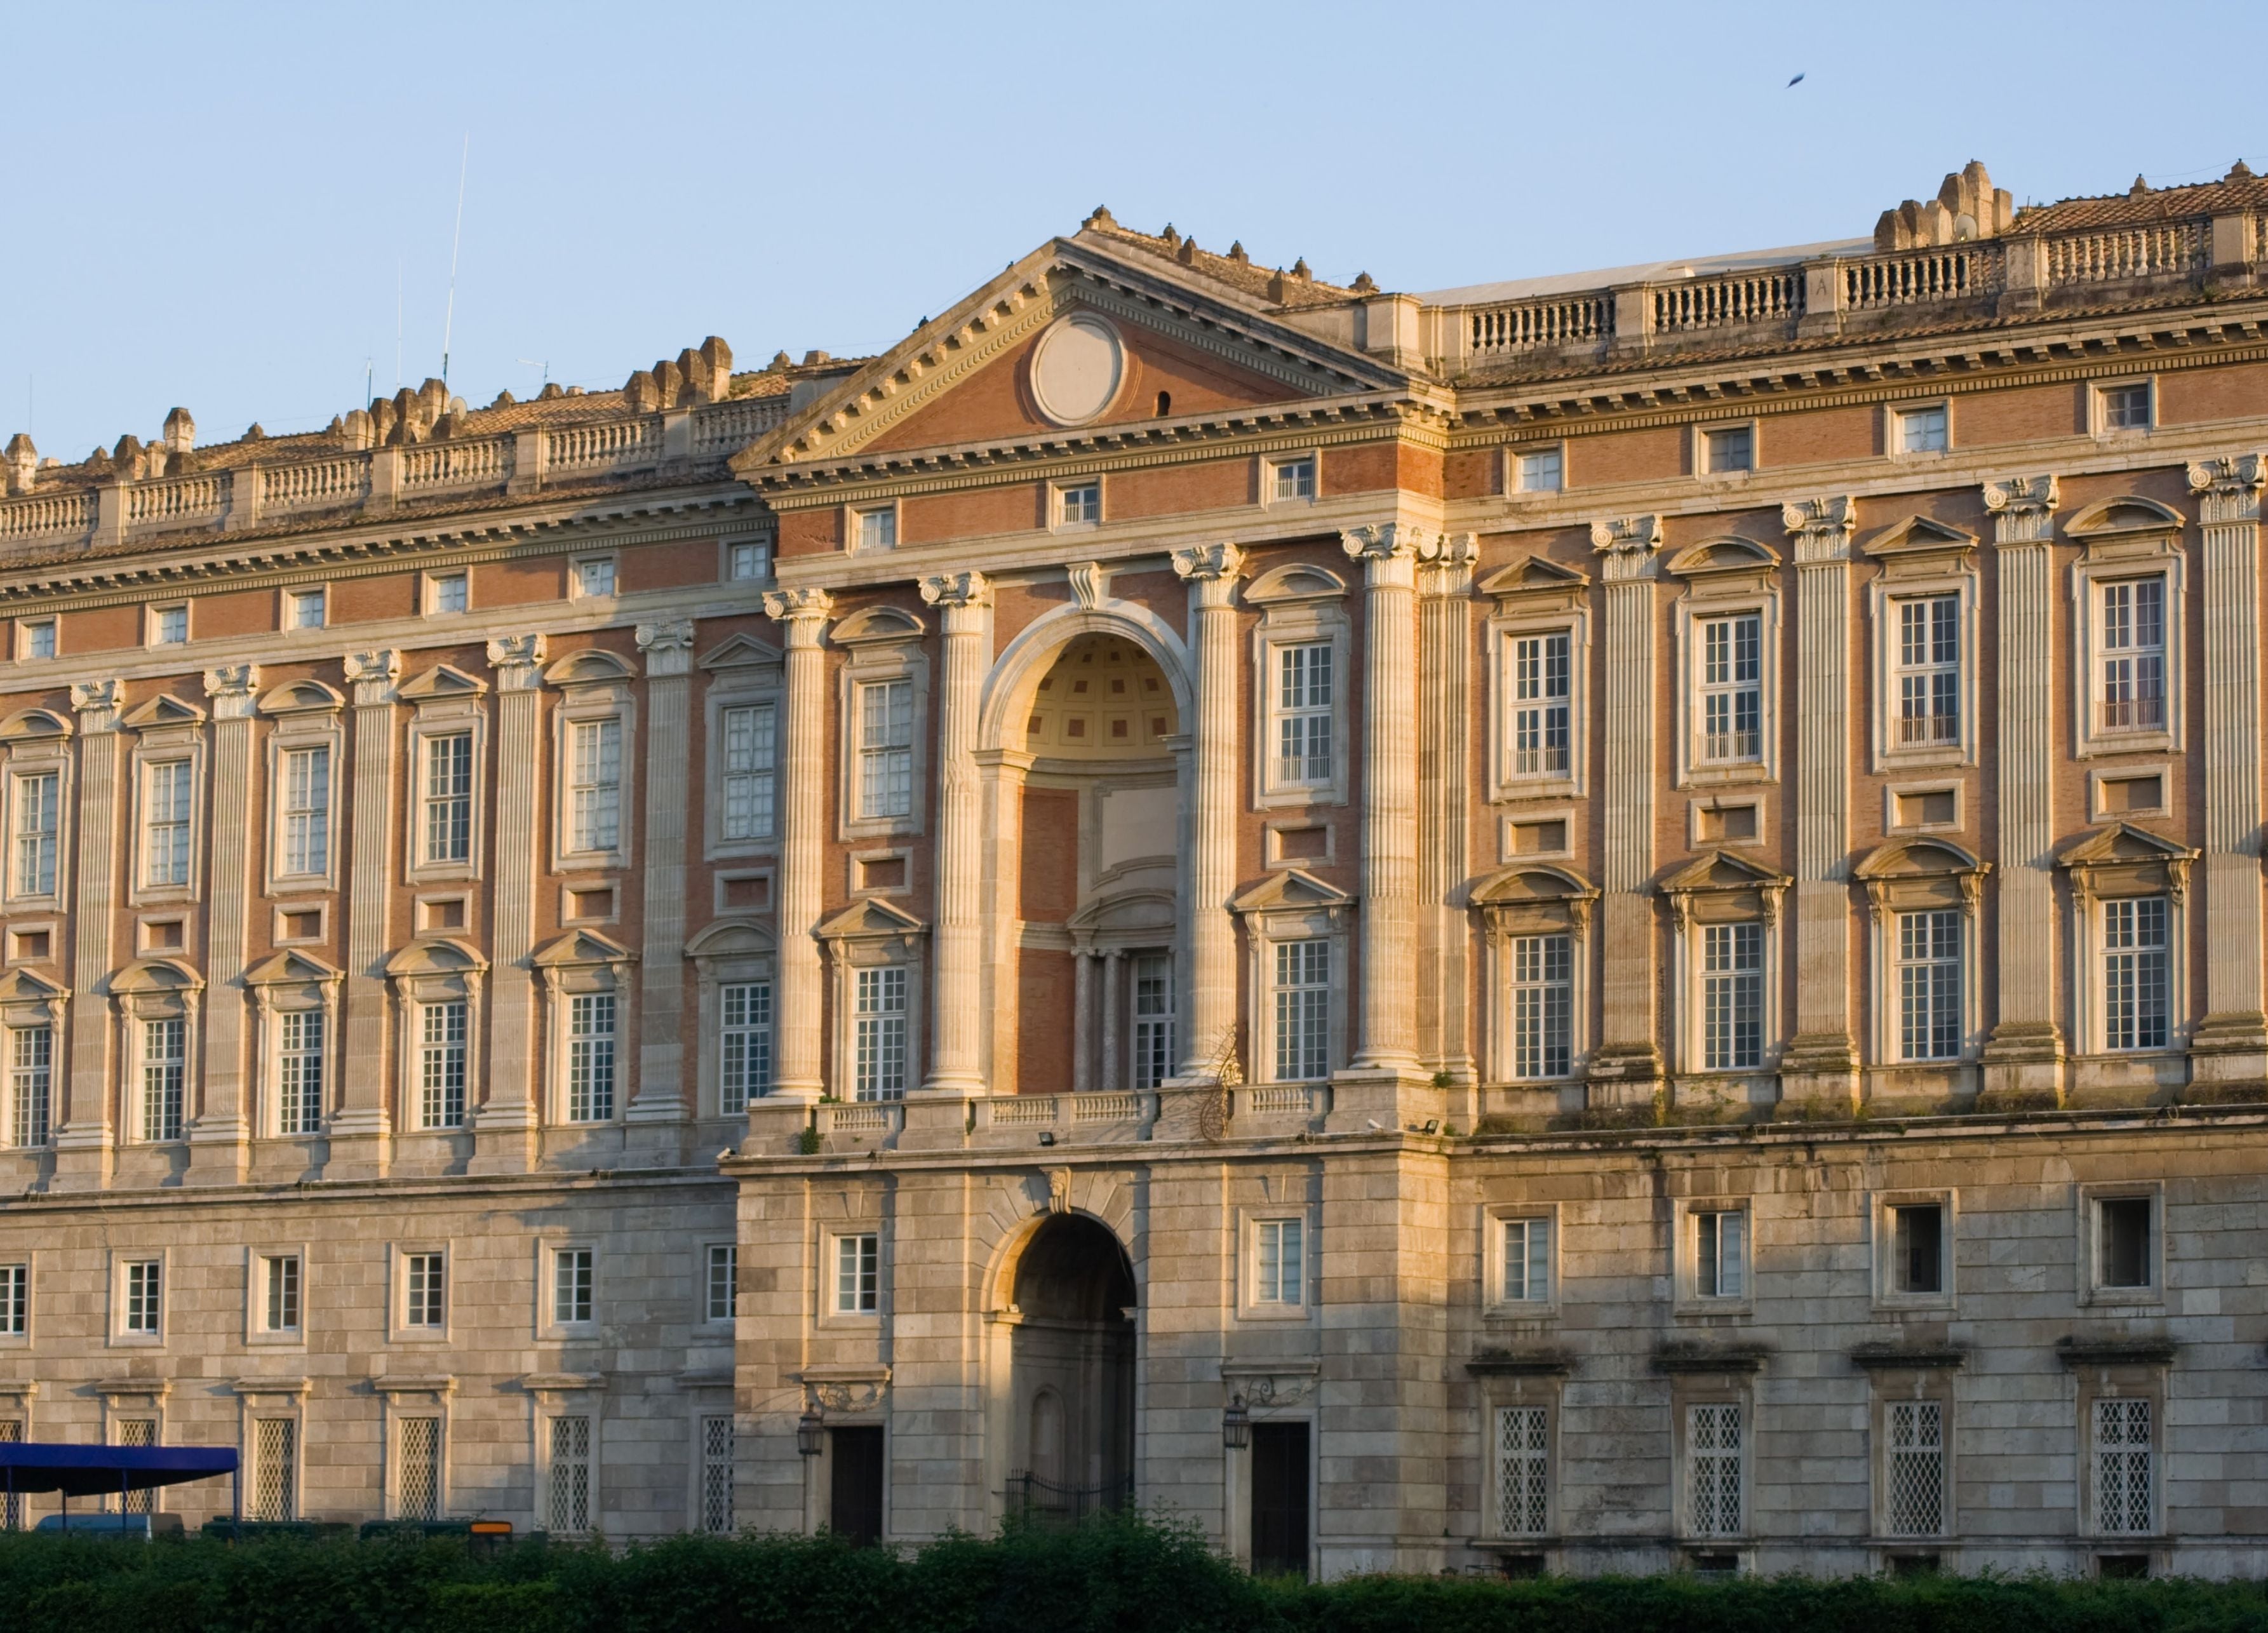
(207, 204)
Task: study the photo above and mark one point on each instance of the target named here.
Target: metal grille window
(572, 1272)
(1929, 985)
(1929, 670)
(1720, 1253)
(595, 785)
(716, 1475)
(1539, 704)
(590, 1057)
(441, 1065)
(1732, 997)
(281, 1274)
(31, 1083)
(1527, 1261)
(1732, 688)
(146, 1292)
(1523, 1471)
(275, 1473)
(1279, 1269)
(38, 832)
(1542, 1006)
(745, 1057)
(449, 797)
(886, 749)
(165, 823)
(1915, 1474)
(165, 1057)
(1303, 1011)
(1713, 1468)
(2136, 999)
(299, 1071)
(425, 1291)
(570, 1474)
(137, 1431)
(2133, 656)
(724, 1281)
(880, 1023)
(857, 1275)
(417, 1471)
(15, 1300)
(1295, 479)
(1154, 1019)
(750, 752)
(1923, 430)
(11, 1503)
(2123, 1501)
(1303, 713)
(307, 811)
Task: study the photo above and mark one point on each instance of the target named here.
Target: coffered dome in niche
(1105, 699)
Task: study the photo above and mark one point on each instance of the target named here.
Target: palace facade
(1611, 923)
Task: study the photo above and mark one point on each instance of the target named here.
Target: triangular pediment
(2122, 843)
(1534, 575)
(289, 968)
(442, 681)
(582, 946)
(1292, 887)
(741, 651)
(162, 711)
(870, 916)
(1722, 870)
(24, 986)
(1918, 535)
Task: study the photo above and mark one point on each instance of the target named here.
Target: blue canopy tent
(99, 1470)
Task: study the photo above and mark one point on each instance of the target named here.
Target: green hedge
(1132, 1577)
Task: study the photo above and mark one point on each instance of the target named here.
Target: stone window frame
(595, 684)
(24, 638)
(1687, 1300)
(743, 673)
(264, 1400)
(1514, 453)
(1894, 429)
(118, 1337)
(580, 963)
(127, 1400)
(398, 1330)
(726, 953)
(885, 644)
(1292, 904)
(304, 714)
(1299, 604)
(35, 742)
(1915, 872)
(1060, 487)
(1494, 1305)
(1508, 823)
(1892, 792)
(1498, 1391)
(832, 1234)
(1719, 888)
(1698, 448)
(417, 1397)
(873, 932)
(436, 968)
(2092, 1294)
(152, 631)
(1713, 805)
(256, 1255)
(1534, 898)
(854, 527)
(28, 1000)
(1923, 560)
(2098, 424)
(1536, 596)
(1733, 1386)
(156, 988)
(166, 730)
(2136, 1379)
(553, 1395)
(581, 560)
(1269, 499)
(2101, 777)
(1889, 1386)
(1882, 1230)
(13, 1393)
(293, 981)
(702, 1255)
(548, 1245)
(1726, 577)
(2121, 861)
(287, 597)
(429, 591)
(446, 702)
(2121, 540)
(1249, 1216)
(762, 544)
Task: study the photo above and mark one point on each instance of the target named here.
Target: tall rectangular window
(1720, 1253)
(572, 1270)
(299, 1071)
(1915, 1474)
(1303, 1011)
(425, 1291)
(1917, 1247)
(1279, 1270)
(145, 1292)
(165, 823)
(1304, 728)
(441, 1065)
(307, 811)
(723, 1291)
(417, 1468)
(39, 830)
(2134, 623)
(1527, 1261)
(886, 749)
(1713, 1467)
(1732, 688)
(595, 786)
(857, 1275)
(1542, 1004)
(1539, 704)
(275, 1469)
(2121, 1230)
(15, 1300)
(1929, 670)
(2123, 1503)
(716, 1474)
(570, 1474)
(1154, 1019)
(1732, 997)
(1524, 1486)
(11, 1503)
(281, 1274)
(2136, 987)
(1929, 985)
(590, 1057)
(448, 798)
(165, 1062)
(750, 747)
(745, 1051)
(31, 1085)
(879, 1021)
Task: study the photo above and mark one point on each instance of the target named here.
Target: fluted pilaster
(804, 612)
(662, 1085)
(505, 1122)
(964, 602)
(360, 1128)
(1210, 934)
(1627, 1063)
(1388, 555)
(1821, 1061)
(1444, 663)
(83, 1135)
(219, 1135)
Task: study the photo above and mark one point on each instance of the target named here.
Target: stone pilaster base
(362, 1146)
(2229, 1049)
(1394, 1099)
(220, 1153)
(1626, 1080)
(83, 1160)
(2023, 1067)
(935, 1120)
(775, 1126)
(504, 1140)
(1819, 1076)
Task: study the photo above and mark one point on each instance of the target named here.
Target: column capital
(1214, 568)
(1821, 527)
(1389, 551)
(668, 647)
(98, 703)
(2227, 486)
(1628, 543)
(517, 659)
(2022, 508)
(803, 610)
(374, 675)
(961, 597)
(230, 686)
(1445, 562)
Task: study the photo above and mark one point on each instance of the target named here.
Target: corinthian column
(964, 603)
(1821, 1061)
(1627, 1063)
(504, 1125)
(1445, 664)
(217, 1148)
(803, 818)
(1209, 933)
(83, 1149)
(360, 1128)
(2025, 1052)
(661, 1096)
(1388, 555)
(2231, 1044)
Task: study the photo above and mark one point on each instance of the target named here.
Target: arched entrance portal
(1071, 1368)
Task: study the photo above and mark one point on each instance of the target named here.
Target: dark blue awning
(94, 1470)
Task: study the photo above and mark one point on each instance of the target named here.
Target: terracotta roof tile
(2230, 196)
(1278, 288)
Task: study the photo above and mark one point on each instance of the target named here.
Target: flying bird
(1792, 83)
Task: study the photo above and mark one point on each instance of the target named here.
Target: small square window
(1917, 1249)
(2123, 1242)
(745, 563)
(1080, 505)
(39, 637)
(877, 529)
(1731, 449)
(304, 609)
(857, 1275)
(451, 593)
(594, 578)
(169, 626)
(2127, 408)
(1544, 471)
(1923, 430)
(1294, 478)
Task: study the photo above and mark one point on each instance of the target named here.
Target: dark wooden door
(1279, 1499)
(854, 1509)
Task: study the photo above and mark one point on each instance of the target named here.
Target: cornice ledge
(1691, 1356)
(1885, 1357)
(2089, 1349)
(1544, 1361)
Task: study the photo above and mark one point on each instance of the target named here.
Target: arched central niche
(1071, 1367)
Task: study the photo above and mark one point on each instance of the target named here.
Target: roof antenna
(455, 239)
(397, 323)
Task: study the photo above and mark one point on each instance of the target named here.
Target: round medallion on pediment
(1076, 369)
